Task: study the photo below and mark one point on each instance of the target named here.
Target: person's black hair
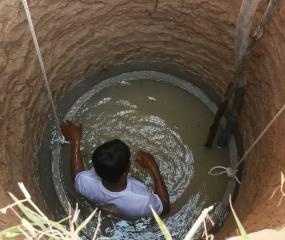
(111, 160)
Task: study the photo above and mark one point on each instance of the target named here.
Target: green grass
(161, 225)
(34, 224)
(240, 226)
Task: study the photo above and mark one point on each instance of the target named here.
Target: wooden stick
(233, 113)
(244, 22)
(240, 69)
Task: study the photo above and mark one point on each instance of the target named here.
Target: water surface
(170, 123)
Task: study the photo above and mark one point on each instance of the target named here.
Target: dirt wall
(85, 36)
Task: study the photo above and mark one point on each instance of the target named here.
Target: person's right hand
(71, 131)
(146, 160)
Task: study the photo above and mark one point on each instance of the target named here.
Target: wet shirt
(134, 201)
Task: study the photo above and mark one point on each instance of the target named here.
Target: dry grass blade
(85, 222)
(280, 187)
(204, 215)
(98, 227)
(28, 213)
(35, 225)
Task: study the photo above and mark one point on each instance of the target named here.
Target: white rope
(38, 51)
(219, 170)
(231, 171)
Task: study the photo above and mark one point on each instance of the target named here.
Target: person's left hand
(71, 131)
(146, 161)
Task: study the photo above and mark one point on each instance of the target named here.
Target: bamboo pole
(245, 47)
(233, 113)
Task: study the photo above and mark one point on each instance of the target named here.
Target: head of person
(111, 160)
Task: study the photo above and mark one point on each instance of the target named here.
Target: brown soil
(80, 37)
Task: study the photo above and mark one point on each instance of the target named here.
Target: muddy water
(170, 123)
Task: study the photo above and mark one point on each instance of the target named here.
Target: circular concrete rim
(122, 79)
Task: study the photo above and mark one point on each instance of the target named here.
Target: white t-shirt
(134, 201)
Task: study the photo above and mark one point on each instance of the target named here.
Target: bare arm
(161, 190)
(147, 161)
(72, 132)
(76, 159)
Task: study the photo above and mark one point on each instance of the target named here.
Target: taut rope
(231, 172)
(38, 51)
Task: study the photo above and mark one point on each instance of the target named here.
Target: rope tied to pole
(243, 51)
(219, 170)
(231, 171)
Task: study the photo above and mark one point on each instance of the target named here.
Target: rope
(219, 170)
(231, 171)
(38, 51)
